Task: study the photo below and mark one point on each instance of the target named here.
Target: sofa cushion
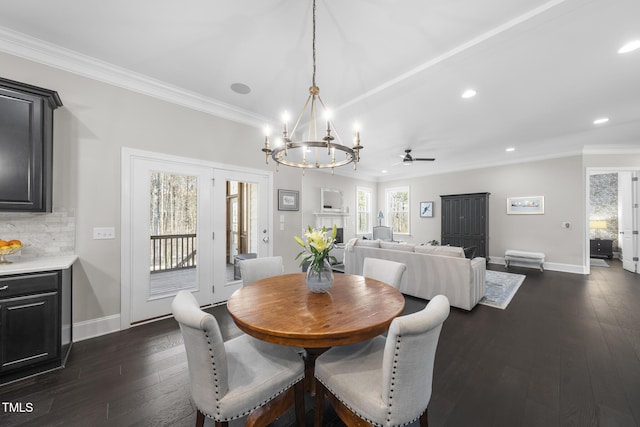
(425, 249)
(397, 246)
(368, 243)
(452, 251)
(428, 274)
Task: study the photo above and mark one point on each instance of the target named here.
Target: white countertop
(22, 264)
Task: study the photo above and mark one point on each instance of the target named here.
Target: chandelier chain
(313, 80)
(294, 153)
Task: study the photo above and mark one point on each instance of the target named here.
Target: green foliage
(316, 247)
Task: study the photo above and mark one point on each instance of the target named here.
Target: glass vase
(320, 280)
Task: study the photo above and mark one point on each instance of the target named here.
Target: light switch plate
(103, 233)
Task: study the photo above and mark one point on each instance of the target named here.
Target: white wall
(560, 181)
(622, 161)
(313, 181)
(96, 121)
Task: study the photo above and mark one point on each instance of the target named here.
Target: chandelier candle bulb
(267, 150)
(280, 154)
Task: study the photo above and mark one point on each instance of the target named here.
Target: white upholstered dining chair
(384, 382)
(240, 377)
(258, 268)
(389, 272)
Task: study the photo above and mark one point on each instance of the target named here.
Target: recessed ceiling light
(469, 93)
(510, 149)
(384, 171)
(240, 88)
(629, 47)
(601, 121)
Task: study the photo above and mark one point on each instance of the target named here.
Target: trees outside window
(397, 207)
(363, 218)
(173, 206)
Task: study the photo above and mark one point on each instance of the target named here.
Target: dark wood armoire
(465, 222)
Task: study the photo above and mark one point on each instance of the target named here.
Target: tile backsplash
(49, 234)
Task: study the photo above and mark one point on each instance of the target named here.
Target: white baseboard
(551, 266)
(96, 327)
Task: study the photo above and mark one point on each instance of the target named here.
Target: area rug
(499, 288)
(596, 262)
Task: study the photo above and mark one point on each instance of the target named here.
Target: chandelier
(311, 151)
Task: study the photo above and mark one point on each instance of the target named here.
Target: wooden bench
(524, 257)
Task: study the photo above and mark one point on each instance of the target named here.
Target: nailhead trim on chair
(216, 380)
(393, 379)
(349, 406)
(273, 396)
(393, 376)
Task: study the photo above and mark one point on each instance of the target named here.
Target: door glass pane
(173, 239)
(242, 225)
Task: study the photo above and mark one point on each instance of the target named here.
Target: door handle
(265, 239)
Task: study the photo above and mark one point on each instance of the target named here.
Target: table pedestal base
(310, 367)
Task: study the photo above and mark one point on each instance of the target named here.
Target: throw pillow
(397, 246)
(369, 243)
(452, 251)
(425, 249)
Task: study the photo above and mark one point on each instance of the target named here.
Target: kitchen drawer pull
(4, 287)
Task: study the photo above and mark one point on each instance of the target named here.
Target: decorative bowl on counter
(9, 248)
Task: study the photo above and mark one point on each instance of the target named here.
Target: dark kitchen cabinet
(26, 146)
(35, 323)
(465, 222)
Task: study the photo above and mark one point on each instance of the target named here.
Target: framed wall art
(533, 205)
(288, 200)
(426, 209)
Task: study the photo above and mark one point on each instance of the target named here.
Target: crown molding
(36, 50)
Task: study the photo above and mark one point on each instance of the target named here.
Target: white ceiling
(544, 70)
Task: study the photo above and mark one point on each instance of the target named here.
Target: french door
(171, 235)
(629, 194)
(185, 225)
(242, 224)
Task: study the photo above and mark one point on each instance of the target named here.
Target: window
(397, 207)
(363, 214)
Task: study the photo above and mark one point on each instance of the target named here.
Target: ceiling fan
(408, 159)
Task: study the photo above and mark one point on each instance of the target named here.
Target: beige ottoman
(536, 258)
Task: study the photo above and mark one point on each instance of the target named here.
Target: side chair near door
(389, 272)
(258, 268)
(240, 377)
(384, 382)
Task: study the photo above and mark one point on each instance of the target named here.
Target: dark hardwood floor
(565, 352)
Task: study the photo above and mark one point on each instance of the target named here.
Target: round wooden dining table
(282, 310)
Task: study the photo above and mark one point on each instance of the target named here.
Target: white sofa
(431, 270)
